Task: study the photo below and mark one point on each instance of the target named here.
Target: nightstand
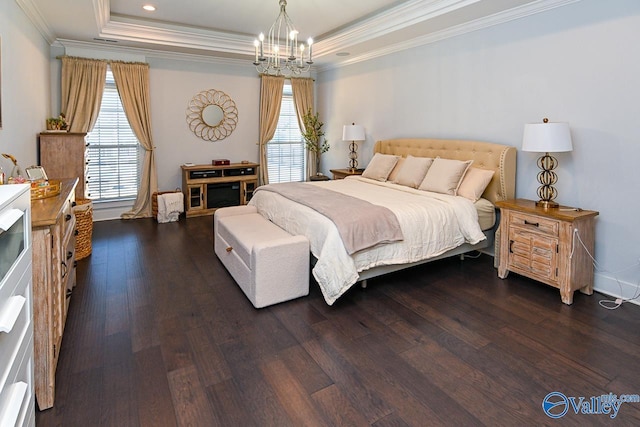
(343, 173)
(540, 244)
(318, 178)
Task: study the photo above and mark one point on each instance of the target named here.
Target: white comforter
(431, 224)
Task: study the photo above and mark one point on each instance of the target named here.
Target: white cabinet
(16, 308)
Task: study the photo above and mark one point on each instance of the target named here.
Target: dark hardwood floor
(158, 334)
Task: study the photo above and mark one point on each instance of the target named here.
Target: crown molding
(475, 25)
(36, 18)
(177, 36)
(117, 28)
(396, 18)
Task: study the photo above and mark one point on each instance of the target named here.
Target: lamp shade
(547, 137)
(353, 133)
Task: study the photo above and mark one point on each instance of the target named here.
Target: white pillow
(413, 171)
(396, 169)
(380, 166)
(474, 183)
(444, 176)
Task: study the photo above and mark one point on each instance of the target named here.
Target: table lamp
(353, 133)
(547, 138)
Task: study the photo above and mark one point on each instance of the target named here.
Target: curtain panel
(271, 88)
(132, 82)
(82, 85)
(303, 101)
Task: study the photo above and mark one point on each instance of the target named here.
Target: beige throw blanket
(361, 224)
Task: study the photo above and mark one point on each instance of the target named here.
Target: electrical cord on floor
(466, 255)
(607, 303)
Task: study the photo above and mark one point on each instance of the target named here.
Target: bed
(336, 269)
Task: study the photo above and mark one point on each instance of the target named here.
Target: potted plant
(312, 135)
(57, 123)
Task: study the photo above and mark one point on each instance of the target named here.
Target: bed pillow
(396, 169)
(380, 166)
(474, 183)
(413, 171)
(444, 176)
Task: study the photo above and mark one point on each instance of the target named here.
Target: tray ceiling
(344, 31)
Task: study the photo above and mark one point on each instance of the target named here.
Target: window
(285, 152)
(113, 151)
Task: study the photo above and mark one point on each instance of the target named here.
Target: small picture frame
(36, 173)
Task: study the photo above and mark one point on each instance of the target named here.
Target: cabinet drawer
(535, 223)
(67, 208)
(12, 339)
(533, 254)
(16, 396)
(68, 221)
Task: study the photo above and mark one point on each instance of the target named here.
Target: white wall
(25, 86)
(173, 84)
(579, 63)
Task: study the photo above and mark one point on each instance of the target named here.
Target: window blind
(113, 152)
(286, 151)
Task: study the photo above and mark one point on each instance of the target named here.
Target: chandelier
(279, 53)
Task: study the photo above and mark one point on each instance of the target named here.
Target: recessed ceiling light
(149, 7)
(343, 54)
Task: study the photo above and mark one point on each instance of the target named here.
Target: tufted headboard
(485, 155)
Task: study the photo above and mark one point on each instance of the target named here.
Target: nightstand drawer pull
(510, 246)
(535, 224)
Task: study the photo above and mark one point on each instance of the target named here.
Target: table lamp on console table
(547, 137)
(353, 133)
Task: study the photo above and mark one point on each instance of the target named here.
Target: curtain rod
(108, 61)
(287, 78)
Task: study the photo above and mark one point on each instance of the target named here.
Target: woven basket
(84, 224)
(154, 201)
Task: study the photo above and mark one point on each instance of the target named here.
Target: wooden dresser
(547, 245)
(63, 155)
(53, 226)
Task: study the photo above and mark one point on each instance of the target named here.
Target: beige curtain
(82, 85)
(303, 101)
(132, 82)
(270, 101)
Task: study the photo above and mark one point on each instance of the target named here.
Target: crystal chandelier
(279, 54)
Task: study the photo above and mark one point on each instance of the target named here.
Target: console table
(207, 188)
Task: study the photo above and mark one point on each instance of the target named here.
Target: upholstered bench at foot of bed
(269, 264)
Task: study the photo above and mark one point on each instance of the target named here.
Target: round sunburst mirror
(212, 115)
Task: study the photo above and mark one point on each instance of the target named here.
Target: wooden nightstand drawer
(535, 223)
(533, 255)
